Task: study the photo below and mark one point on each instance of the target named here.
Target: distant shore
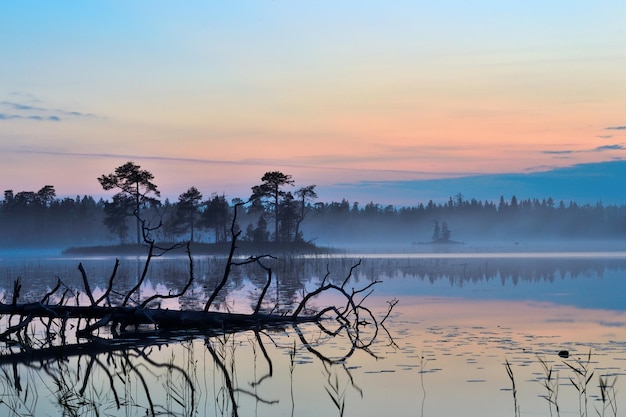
(439, 242)
(337, 248)
(197, 248)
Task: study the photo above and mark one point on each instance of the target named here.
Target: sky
(213, 94)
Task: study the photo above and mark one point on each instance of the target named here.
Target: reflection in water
(39, 343)
(225, 375)
(459, 319)
(467, 343)
(422, 371)
(127, 380)
(293, 274)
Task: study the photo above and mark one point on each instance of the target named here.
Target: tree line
(277, 211)
(460, 219)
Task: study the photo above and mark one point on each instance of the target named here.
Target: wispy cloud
(25, 111)
(616, 128)
(564, 152)
(19, 106)
(609, 148)
(25, 96)
(129, 156)
(612, 323)
(243, 162)
(603, 148)
(540, 168)
(4, 116)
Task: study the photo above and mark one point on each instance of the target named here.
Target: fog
(410, 237)
(456, 226)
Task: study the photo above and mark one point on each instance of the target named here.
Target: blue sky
(214, 94)
(591, 183)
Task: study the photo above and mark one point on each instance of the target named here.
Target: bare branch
(17, 287)
(229, 262)
(90, 328)
(86, 283)
(182, 291)
(49, 294)
(143, 275)
(270, 365)
(110, 286)
(14, 329)
(265, 288)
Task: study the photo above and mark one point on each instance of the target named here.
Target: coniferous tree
(135, 184)
(187, 212)
(305, 194)
(217, 216)
(271, 190)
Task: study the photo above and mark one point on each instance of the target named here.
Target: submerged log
(60, 317)
(160, 318)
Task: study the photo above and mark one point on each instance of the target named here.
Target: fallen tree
(62, 313)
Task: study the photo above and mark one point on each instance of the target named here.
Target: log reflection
(122, 382)
(183, 375)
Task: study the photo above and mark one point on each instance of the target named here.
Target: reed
(608, 395)
(509, 371)
(423, 362)
(551, 384)
(582, 375)
(18, 397)
(292, 368)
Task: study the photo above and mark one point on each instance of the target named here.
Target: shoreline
(242, 248)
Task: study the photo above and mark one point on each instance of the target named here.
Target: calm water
(459, 318)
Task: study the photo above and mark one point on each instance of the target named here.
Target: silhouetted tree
(288, 217)
(259, 233)
(8, 198)
(46, 195)
(188, 211)
(116, 213)
(445, 232)
(305, 194)
(133, 182)
(436, 231)
(271, 190)
(216, 216)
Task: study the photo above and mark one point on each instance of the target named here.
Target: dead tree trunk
(88, 320)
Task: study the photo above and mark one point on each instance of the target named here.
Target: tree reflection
(170, 376)
(292, 274)
(104, 383)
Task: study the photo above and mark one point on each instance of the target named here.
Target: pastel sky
(215, 93)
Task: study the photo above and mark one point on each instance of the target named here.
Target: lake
(442, 351)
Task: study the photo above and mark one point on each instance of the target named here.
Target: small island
(441, 235)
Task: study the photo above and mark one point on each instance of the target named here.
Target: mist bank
(472, 225)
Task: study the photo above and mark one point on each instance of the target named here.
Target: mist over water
(583, 278)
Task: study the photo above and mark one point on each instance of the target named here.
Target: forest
(279, 211)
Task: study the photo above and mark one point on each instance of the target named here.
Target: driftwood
(99, 375)
(87, 320)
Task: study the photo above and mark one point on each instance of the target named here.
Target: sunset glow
(215, 94)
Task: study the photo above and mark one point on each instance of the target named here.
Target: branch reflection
(179, 375)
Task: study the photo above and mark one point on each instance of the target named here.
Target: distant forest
(279, 211)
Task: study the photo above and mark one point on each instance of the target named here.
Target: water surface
(459, 318)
